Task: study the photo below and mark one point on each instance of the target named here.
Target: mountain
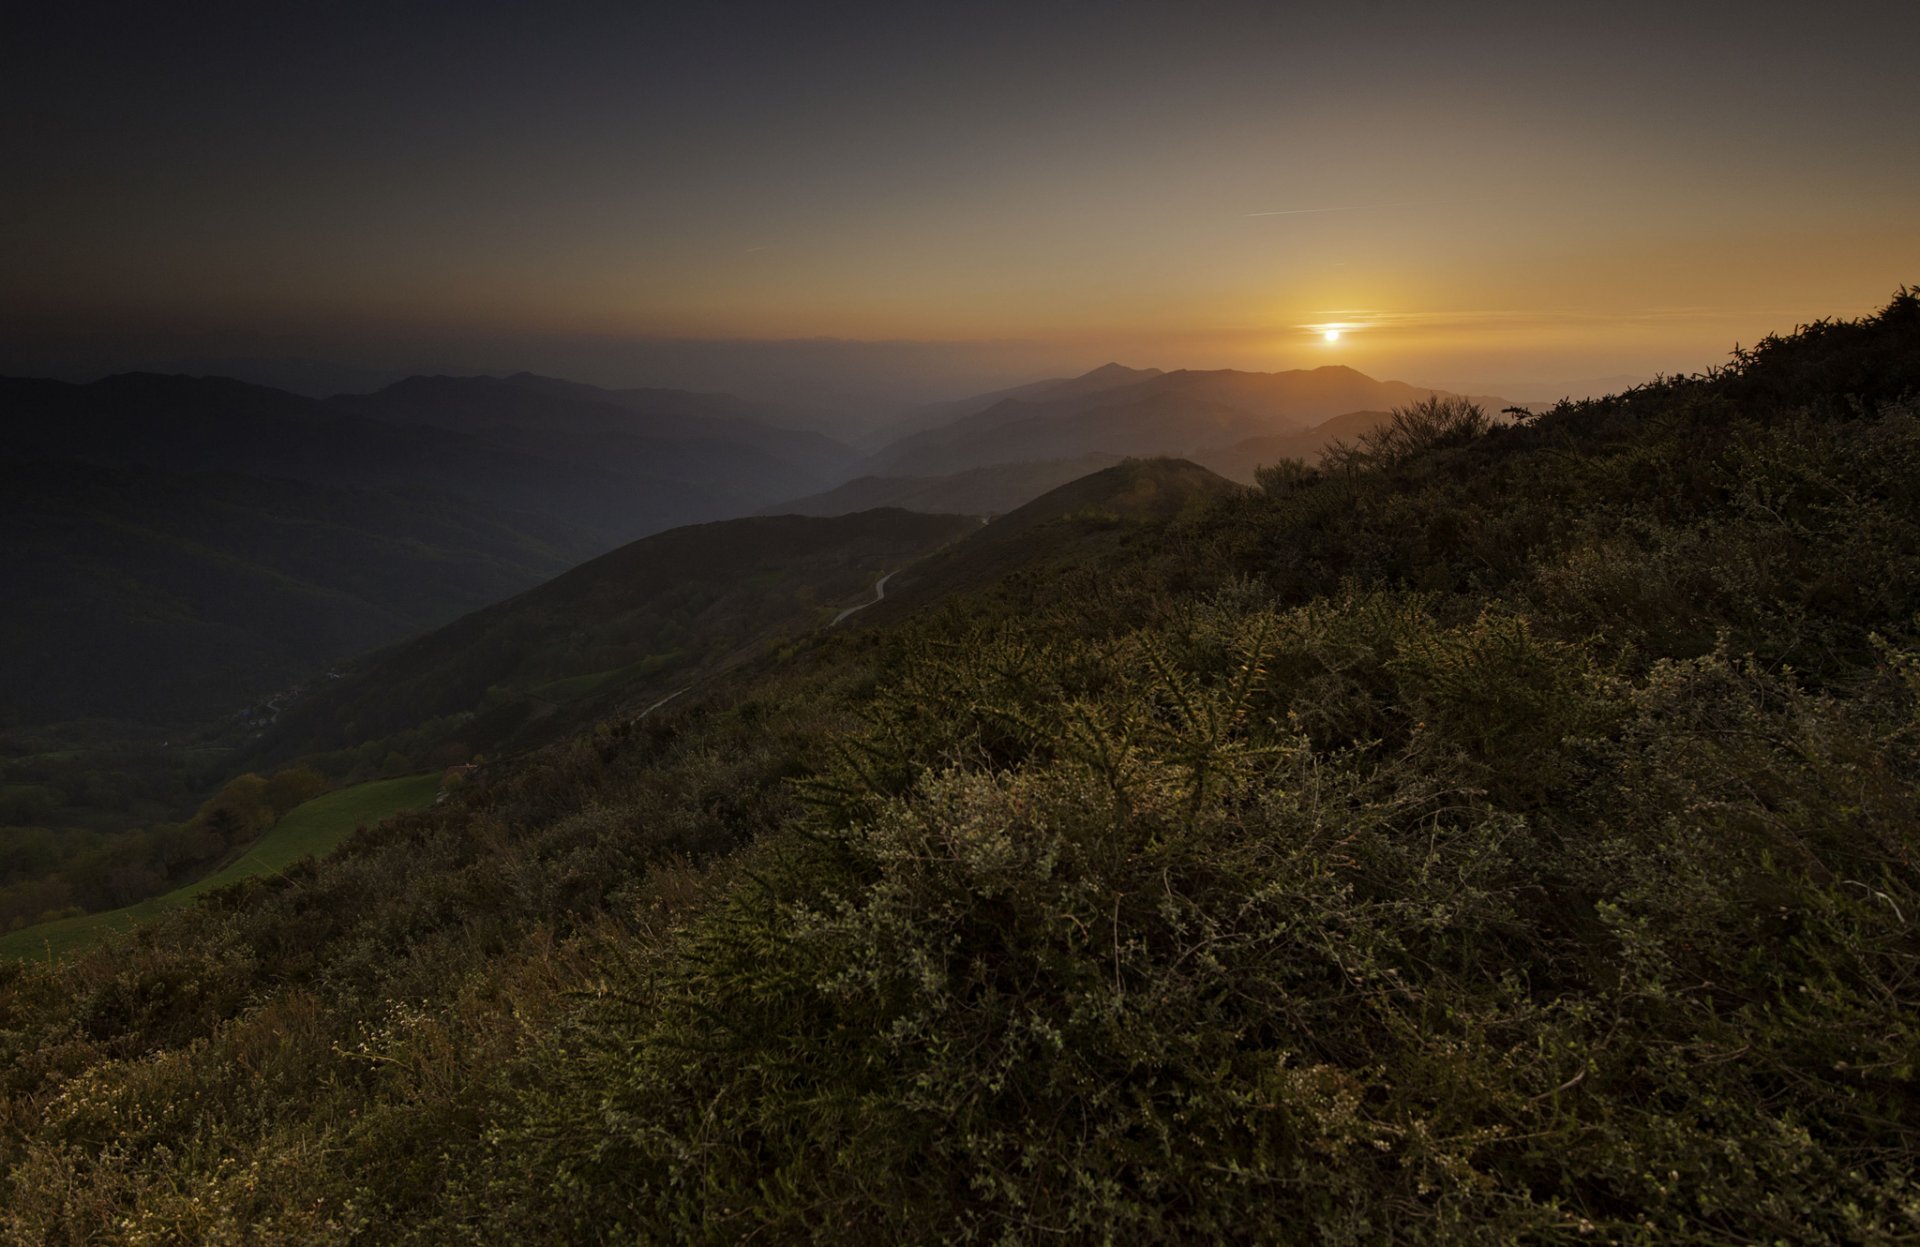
(934, 415)
(213, 424)
(1507, 838)
(723, 445)
(977, 491)
(659, 612)
(183, 545)
(1115, 411)
(1002, 487)
(169, 596)
(1238, 460)
(1081, 521)
(588, 457)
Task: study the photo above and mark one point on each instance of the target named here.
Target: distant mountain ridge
(1121, 411)
(167, 596)
(619, 464)
(525, 403)
(190, 543)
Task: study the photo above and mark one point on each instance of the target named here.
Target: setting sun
(1331, 335)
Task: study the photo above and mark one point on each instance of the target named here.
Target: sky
(871, 204)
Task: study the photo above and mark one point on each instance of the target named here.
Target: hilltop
(1115, 410)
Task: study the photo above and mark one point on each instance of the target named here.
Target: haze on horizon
(875, 203)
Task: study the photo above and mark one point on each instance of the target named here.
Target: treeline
(48, 873)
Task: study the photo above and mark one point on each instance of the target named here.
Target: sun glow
(1331, 335)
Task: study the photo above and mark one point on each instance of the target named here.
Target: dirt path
(879, 592)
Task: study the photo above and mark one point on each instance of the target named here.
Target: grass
(310, 830)
(573, 688)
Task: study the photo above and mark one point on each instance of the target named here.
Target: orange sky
(1485, 192)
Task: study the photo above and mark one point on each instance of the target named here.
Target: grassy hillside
(979, 491)
(311, 830)
(1501, 835)
(1087, 519)
(659, 612)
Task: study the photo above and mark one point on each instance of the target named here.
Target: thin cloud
(1315, 211)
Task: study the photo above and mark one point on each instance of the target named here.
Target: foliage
(1505, 838)
(50, 871)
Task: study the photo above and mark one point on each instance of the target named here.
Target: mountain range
(182, 544)
(196, 541)
(1125, 411)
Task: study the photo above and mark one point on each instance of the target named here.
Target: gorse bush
(1505, 835)
(1177, 972)
(1432, 423)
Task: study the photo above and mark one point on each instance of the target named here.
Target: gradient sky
(1524, 193)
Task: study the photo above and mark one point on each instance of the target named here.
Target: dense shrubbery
(1337, 917)
(1505, 836)
(65, 873)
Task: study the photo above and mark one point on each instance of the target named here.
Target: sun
(1331, 335)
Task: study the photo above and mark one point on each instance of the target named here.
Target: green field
(311, 830)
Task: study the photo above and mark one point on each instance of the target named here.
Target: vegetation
(1495, 834)
(668, 608)
(46, 874)
(310, 829)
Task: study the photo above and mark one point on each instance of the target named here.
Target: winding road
(879, 592)
(663, 701)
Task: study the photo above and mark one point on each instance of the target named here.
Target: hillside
(1084, 521)
(655, 614)
(978, 491)
(1124, 412)
(1508, 837)
(310, 830)
(168, 596)
(1238, 460)
(1004, 486)
(182, 546)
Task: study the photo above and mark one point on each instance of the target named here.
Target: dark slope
(653, 614)
(171, 596)
(185, 544)
(1080, 521)
(1164, 413)
(977, 491)
(1238, 460)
